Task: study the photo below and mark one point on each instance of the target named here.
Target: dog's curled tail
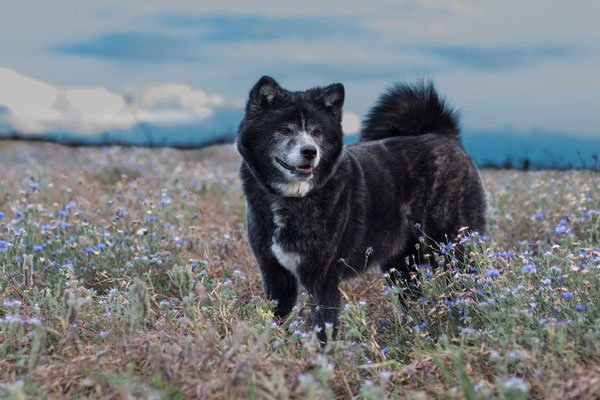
(410, 110)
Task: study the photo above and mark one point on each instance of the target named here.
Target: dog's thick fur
(311, 201)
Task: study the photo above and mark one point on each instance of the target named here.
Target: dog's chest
(290, 241)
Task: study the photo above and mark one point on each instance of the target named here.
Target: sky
(523, 74)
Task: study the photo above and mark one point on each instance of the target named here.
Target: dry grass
(141, 284)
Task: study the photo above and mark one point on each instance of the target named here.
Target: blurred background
(177, 73)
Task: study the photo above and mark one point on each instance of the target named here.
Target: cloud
(458, 7)
(177, 96)
(497, 58)
(195, 37)
(134, 46)
(350, 123)
(252, 28)
(33, 106)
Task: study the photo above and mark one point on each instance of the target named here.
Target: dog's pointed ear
(333, 98)
(263, 94)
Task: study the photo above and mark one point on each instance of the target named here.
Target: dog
(315, 206)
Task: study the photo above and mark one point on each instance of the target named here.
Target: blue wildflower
(562, 229)
(101, 246)
(70, 206)
(529, 268)
(579, 307)
(1, 215)
(492, 273)
(63, 214)
(562, 222)
(34, 185)
(568, 295)
(506, 254)
(419, 327)
(385, 351)
(151, 218)
(428, 274)
(539, 215)
(38, 249)
(90, 250)
(417, 226)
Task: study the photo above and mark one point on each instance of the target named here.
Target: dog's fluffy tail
(410, 110)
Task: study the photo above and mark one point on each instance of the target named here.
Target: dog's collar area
(300, 170)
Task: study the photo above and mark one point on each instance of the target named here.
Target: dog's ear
(263, 94)
(333, 98)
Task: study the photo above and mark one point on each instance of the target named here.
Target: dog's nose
(309, 152)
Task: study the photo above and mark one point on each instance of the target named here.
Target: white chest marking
(288, 259)
(294, 189)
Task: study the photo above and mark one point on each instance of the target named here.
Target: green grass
(125, 272)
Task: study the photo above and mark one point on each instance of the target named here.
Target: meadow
(125, 273)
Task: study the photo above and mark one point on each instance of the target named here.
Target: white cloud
(177, 96)
(350, 123)
(459, 7)
(36, 107)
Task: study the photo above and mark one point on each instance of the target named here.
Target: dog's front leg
(325, 308)
(280, 285)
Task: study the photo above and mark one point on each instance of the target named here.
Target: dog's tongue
(304, 168)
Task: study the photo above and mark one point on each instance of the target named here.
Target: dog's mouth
(302, 170)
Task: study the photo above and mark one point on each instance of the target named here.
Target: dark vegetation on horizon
(514, 163)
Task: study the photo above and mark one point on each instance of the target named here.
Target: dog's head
(291, 140)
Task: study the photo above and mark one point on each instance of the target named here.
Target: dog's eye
(315, 132)
(284, 130)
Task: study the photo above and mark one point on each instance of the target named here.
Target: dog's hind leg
(399, 271)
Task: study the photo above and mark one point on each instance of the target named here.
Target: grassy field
(125, 273)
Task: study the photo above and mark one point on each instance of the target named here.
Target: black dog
(311, 201)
